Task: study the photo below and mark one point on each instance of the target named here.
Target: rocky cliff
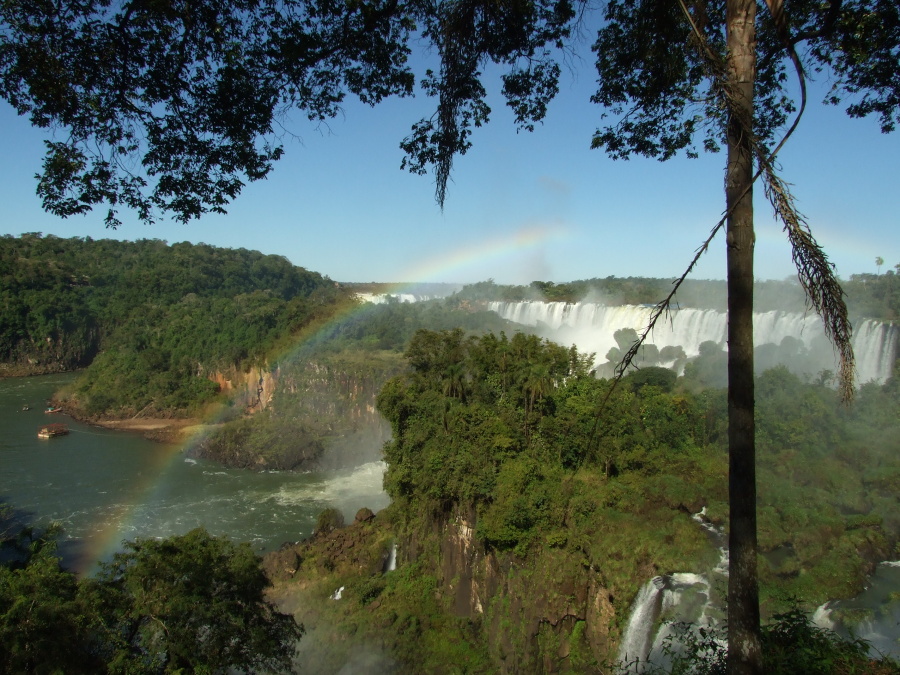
(250, 390)
(546, 612)
(316, 414)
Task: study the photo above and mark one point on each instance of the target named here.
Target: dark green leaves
(469, 34)
(193, 603)
(171, 107)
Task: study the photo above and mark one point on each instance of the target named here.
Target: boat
(51, 409)
(51, 430)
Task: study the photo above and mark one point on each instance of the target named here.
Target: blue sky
(521, 206)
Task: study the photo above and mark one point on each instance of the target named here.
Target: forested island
(531, 499)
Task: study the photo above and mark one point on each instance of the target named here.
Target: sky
(520, 206)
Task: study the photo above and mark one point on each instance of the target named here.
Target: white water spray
(590, 326)
(682, 596)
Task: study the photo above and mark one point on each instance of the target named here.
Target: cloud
(552, 185)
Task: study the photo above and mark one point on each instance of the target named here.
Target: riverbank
(160, 429)
(156, 429)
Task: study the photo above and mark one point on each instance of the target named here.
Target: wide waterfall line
(384, 298)
(591, 326)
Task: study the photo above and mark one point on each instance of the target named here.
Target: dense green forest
(150, 319)
(152, 322)
(187, 604)
(530, 501)
(517, 428)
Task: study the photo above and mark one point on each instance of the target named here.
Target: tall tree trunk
(744, 654)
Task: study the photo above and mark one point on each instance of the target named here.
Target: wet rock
(364, 515)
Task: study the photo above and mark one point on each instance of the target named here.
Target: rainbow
(108, 536)
(441, 268)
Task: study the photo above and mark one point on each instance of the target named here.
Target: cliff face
(334, 390)
(545, 613)
(56, 353)
(320, 388)
(251, 391)
(302, 415)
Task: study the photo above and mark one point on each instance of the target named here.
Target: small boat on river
(52, 430)
(51, 409)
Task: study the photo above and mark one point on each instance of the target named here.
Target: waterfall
(876, 345)
(638, 636)
(391, 563)
(590, 326)
(873, 615)
(691, 597)
(664, 600)
(383, 298)
(682, 596)
(717, 537)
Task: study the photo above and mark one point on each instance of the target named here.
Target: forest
(64, 301)
(508, 460)
(546, 454)
(187, 604)
(531, 500)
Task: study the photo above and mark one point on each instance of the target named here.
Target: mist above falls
(796, 340)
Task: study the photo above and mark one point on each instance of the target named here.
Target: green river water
(107, 486)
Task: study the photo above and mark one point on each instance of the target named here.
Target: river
(107, 486)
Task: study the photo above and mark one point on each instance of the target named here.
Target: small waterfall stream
(694, 598)
(873, 615)
(391, 563)
(638, 637)
(664, 600)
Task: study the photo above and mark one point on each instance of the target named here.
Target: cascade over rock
(591, 326)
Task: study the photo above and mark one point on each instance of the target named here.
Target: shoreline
(156, 429)
(172, 430)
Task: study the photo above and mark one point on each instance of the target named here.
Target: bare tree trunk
(744, 654)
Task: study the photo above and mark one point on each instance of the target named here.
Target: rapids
(106, 486)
